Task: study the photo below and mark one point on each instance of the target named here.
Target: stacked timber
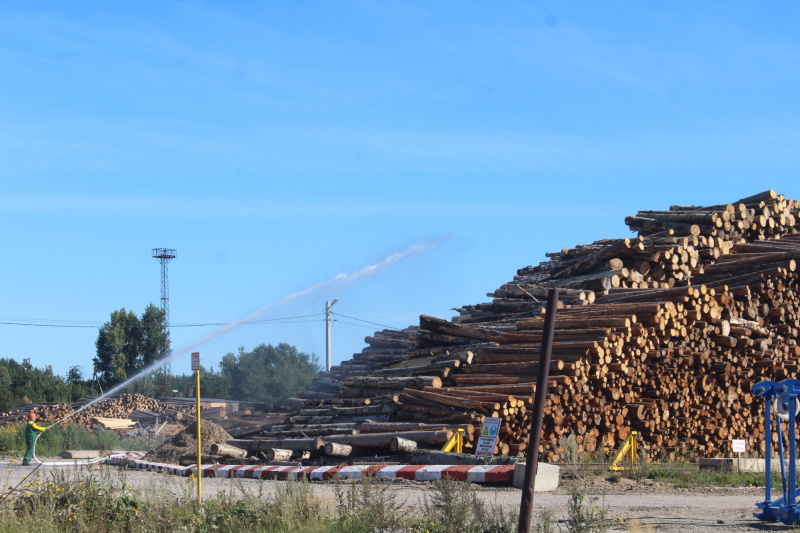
(663, 333)
(87, 414)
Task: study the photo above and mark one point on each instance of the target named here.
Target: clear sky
(276, 145)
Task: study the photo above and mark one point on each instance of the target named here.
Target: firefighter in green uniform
(32, 429)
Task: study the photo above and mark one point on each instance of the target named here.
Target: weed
(545, 522)
(366, 505)
(455, 507)
(583, 516)
(572, 454)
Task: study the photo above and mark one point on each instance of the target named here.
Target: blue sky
(276, 145)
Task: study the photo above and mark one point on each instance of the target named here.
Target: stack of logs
(663, 333)
(120, 406)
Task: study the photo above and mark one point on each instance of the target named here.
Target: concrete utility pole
(328, 306)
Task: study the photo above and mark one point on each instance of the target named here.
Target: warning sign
(488, 437)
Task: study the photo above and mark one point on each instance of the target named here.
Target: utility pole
(328, 306)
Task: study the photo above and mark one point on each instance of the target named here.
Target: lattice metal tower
(165, 255)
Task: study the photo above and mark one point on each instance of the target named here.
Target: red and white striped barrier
(475, 474)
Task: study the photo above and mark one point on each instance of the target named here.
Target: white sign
(739, 445)
(195, 361)
(488, 437)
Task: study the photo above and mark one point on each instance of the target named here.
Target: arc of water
(339, 279)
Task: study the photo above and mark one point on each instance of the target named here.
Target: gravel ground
(629, 505)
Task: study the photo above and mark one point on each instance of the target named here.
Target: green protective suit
(32, 429)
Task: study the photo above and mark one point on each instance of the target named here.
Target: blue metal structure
(784, 395)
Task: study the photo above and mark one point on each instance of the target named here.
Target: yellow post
(196, 368)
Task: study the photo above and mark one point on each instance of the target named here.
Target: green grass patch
(693, 477)
(67, 437)
(108, 505)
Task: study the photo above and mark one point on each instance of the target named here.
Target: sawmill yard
(663, 333)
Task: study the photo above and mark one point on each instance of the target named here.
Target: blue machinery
(784, 397)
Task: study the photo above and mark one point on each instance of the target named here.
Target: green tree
(268, 373)
(126, 344)
(212, 385)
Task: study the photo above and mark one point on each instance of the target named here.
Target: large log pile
(663, 333)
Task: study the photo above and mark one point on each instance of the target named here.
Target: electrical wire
(366, 321)
(282, 320)
(54, 323)
(354, 325)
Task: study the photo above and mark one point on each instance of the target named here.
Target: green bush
(12, 440)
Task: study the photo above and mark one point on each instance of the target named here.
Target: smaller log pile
(115, 407)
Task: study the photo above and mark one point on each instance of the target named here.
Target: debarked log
(383, 440)
(401, 445)
(380, 382)
(262, 445)
(226, 450)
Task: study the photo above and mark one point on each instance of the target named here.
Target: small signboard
(488, 437)
(739, 445)
(195, 361)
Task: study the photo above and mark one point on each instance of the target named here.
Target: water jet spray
(339, 279)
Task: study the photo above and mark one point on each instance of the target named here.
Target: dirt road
(629, 505)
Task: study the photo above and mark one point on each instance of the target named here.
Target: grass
(104, 502)
(107, 504)
(67, 437)
(693, 477)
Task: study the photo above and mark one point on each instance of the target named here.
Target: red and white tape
(475, 474)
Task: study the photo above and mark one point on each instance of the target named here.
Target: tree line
(127, 344)
(266, 374)
(21, 383)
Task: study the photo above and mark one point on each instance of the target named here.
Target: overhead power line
(317, 317)
(55, 323)
(85, 324)
(366, 321)
(365, 326)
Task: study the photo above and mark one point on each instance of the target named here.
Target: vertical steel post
(532, 460)
(768, 454)
(792, 497)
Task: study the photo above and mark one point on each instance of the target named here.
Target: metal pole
(328, 306)
(792, 437)
(199, 446)
(768, 454)
(532, 460)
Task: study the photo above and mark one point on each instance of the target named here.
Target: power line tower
(165, 255)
